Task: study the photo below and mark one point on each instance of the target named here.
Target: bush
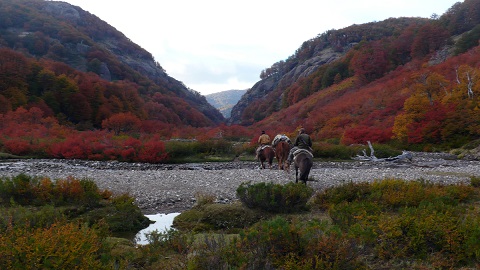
(333, 151)
(275, 198)
(475, 181)
(125, 215)
(347, 192)
(59, 246)
(207, 217)
(34, 190)
(279, 243)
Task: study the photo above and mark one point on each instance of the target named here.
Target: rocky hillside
(309, 58)
(330, 58)
(61, 32)
(225, 100)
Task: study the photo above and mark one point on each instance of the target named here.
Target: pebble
(166, 188)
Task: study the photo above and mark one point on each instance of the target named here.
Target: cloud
(212, 44)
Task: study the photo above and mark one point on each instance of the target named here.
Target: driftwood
(404, 156)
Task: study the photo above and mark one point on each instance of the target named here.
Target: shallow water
(163, 222)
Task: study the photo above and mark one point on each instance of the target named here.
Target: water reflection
(163, 222)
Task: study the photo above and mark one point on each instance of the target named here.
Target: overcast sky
(217, 45)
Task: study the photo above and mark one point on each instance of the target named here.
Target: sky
(217, 45)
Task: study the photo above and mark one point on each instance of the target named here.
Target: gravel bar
(167, 188)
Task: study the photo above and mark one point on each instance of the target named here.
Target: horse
(266, 153)
(282, 149)
(303, 161)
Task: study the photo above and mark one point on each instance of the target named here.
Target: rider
(263, 140)
(302, 141)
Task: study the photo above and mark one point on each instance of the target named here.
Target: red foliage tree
(153, 151)
(122, 123)
(370, 62)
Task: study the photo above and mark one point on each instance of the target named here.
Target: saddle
(279, 138)
(299, 151)
(263, 147)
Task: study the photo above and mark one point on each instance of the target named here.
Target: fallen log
(404, 156)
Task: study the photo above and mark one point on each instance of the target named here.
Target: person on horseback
(303, 141)
(263, 140)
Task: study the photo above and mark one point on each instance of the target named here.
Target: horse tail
(304, 174)
(306, 167)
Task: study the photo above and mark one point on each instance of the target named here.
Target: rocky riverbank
(167, 188)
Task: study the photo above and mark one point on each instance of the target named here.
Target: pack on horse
(303, 162)
(282, 147)
(266, 153)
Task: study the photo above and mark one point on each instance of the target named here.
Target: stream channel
(162, 223)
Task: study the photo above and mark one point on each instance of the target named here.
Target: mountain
(225, 100)
(50, 32)
(324, 51)
(413, 80)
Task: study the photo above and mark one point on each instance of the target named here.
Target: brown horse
(266, 153)
(281, 153)
(303, 161)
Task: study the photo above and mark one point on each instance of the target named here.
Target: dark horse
(266, 153)
(281, 153)
(303, 161)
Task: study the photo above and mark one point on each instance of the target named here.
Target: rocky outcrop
(258, 91)
(63, 10)
(262, 88)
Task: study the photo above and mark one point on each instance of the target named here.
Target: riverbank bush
(58, 246)
(275, 198)
(387, 224)
(39, 202)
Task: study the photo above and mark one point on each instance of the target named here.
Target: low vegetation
(386, 224)
(61, 224)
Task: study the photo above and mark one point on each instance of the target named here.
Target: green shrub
(123, 215)
(208, 217)
(280, 244)
(347, 192)
(475, 181)
(385, 151)
(347, 214)
(334, 151)
(215, 251)
(395, 193)
(59, 246)
(21, 216)
(187, 150)
(275, 198)
(35, 190)
(421, 232)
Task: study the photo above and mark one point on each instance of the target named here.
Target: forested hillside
(77, 68)
(71, 86)
(409, 79)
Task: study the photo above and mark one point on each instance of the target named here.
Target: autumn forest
(409, 82)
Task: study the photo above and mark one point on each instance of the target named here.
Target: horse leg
(296, 174)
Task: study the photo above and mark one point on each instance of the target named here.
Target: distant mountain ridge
(225, 100)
